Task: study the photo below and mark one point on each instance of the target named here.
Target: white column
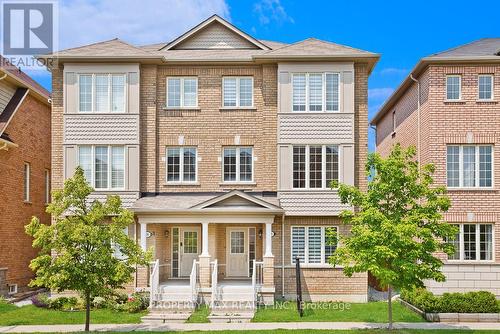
(269, 242)
(204, 239)
(143, 236)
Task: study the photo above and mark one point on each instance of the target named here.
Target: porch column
(143, 236)
(268, 288)
(269, 241)
(204, 239)
(204, 264)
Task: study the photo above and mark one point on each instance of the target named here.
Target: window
(485, 85)
(190, 242)
(474, 242)
(47, 186)
(237, 91)
(102, 92)
(469, 166)
(394, 121)
(315, 92)
(453, 87)
(237, 242)
(181, 164)
(313, 244)
(103, 166)
(182, 92)
(315, 166)
(237, 164)
(27, 180)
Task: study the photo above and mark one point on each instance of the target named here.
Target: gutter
(418, 118)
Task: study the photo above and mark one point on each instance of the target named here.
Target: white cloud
(380, 93)
(138, 22)
(271, 11)
(394, 71)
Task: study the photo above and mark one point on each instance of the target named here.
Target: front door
(189, 246)
(237, 252)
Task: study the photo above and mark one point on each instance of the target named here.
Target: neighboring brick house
(456, 126)
(24, 172)
(223, 145)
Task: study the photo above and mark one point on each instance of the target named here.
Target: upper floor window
(453, 87)
(181, 164)
(103, 166)
(27, 180)
(315, 166)
(237, 91)
(237, 164)
(101, 92)
(313, 92)
(473, 242)
(313, 244)
(469, 166)
(182, 92)
(485, 86)
(393, 121)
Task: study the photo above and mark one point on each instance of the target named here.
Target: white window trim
(324, 186)
(12, 289)
(492, 87)
(47, 186)
(27, 182)
(237, 106)
(238, 165)
(459, 87)
(323, 106)
(92, 168)
(478, 250)
(460, 167)
(110, 93)
(181, 106)
(181, 165)
(306, 245)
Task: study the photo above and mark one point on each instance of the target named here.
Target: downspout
(283, 256)
(418, 118)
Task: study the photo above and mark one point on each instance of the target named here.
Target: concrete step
(175, 289)
(165, 317)
(172, 306)
(231, 317)
(174, 296)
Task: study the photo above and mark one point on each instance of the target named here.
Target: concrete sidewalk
(244, 326)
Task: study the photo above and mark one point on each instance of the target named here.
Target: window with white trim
(237, 164)
(453, 87)
(182, 92)
(103, 166)
(237, 92)
(473, 242)
(485, 87)
(315, 92)
(27, 181)
(181, 164)
(469, 166)
(315, 166)
(101, 92)
(47, 186)
(313, 244)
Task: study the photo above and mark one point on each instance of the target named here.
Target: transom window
(237, 91)
(181, 164)
(315, 92)
(453, 87)
(313, 244)
(469, 166)
(485, 86)
(237, 164)
(473, 242)
(101, 92)
(182, 92)
(103, 166)
(315, 166)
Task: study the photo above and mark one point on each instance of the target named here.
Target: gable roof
(485, 50)
(11, 108)
(22, 79)
(215, 19)
(239, 194)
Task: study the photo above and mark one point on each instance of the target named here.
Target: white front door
(189, 247)
(237, 252)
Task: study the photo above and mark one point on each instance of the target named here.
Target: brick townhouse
(24, 172)
(223, 145)
(448, 107)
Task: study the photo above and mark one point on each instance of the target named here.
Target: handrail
(154, 281)
(193, 282)
(257, 277)
(214, 283)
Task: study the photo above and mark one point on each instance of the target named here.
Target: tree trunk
(389, 305)
(87, 311)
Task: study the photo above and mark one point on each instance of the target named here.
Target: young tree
(78, 251)
(397, 227)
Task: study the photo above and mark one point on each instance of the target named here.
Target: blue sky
(402, 32)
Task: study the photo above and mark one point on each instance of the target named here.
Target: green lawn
(363, 312)
(199, 315)
(32, 315)
(361, 331)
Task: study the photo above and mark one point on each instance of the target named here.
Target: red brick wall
(30, 129)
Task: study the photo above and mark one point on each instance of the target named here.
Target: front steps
(234, 303)
(175, 304)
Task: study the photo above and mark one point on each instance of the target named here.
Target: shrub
(41, 300)
(99, 302)
(63, 303)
